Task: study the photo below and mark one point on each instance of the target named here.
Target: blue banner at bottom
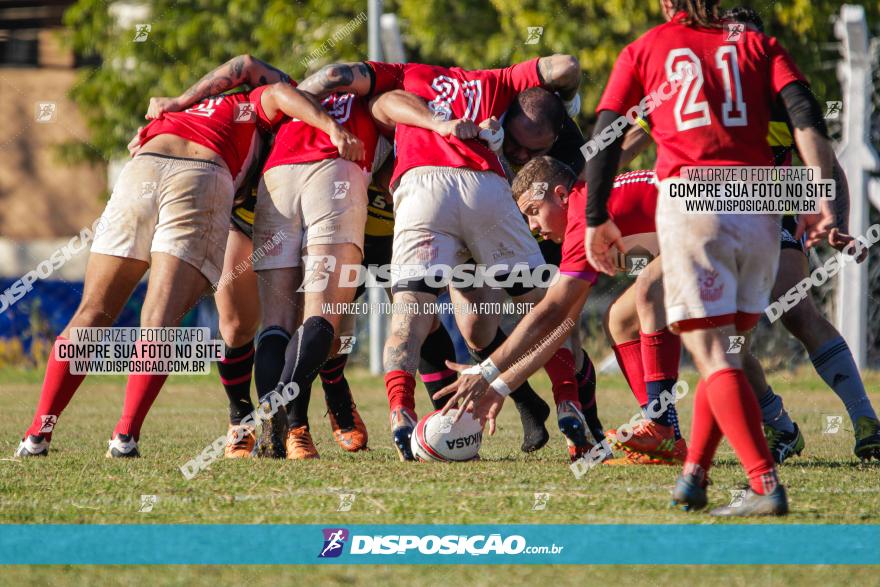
(440, 544)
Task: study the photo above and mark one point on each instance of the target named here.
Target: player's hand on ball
(350, 147)
(468, 389)
(598, 242)
(815, 226)
(461, 129)
(488, 408)
(159, 106)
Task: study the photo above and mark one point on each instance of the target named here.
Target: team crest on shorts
(710, 286)
(426, 250)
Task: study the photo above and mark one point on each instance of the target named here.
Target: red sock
(738, 415)
(629, 357)
(661, 353)
(141, 391)
(59, 385)
(705, 433)
(560, 368)
(400, 387)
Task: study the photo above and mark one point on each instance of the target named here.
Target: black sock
(269, 359)
(436, 350)
(533, 411)
(337, 392)
(586, 380)
(306, 352)
(236, 370)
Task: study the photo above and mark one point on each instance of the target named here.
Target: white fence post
(859, 160)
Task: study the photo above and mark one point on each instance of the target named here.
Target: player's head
(745, 15)
(699, 12)
(532, 124)
(541, 191)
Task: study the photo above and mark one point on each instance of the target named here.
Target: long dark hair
(700, 12)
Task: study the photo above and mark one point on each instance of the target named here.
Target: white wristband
(500, 387)
(489, 371)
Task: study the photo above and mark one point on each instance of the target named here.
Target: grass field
(76, 484)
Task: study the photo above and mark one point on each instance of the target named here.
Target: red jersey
(720, 113)
(631, 206)
(452, 93)
(227, 124)
(298, 142)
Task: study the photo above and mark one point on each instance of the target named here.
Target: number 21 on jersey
(690, 112)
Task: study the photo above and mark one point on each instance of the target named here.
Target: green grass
(76, 484)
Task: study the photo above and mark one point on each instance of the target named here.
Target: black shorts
(787, 240)
(377, 251)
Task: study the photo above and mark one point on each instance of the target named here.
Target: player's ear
(562, 193)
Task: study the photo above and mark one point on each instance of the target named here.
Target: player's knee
(92, 313)
(621, 325)
(235, 331)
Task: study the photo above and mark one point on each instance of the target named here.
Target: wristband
(489, 371)
(494, 138)
(500, 387)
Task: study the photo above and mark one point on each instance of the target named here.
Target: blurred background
(75, 79)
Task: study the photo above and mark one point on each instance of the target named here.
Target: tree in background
(187, 39)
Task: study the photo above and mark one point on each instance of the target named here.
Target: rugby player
(449, 198)
(716, 274)
(168, 213)
(826, 348)
(306, 191)
(556, 212)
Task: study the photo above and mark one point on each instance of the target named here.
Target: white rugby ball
(436, 438)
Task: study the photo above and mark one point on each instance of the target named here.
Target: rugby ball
(436, 438)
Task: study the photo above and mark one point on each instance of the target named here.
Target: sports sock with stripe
(629, 357)
(737, 413)
(337, 392)
(773, 412)
(236, 371)
(661, 353)
(835, 365)
(436, 350)
(59, 385)
(306, 353)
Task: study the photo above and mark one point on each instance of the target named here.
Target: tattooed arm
(339, 77)
(282, 98)
(243, 69)
(560, 73)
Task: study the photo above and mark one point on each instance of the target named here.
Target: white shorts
(169, 205)
(319, 203)
(448, 215)
(717, 268)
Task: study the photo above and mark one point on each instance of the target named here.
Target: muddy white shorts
(717, 268)
(169, 205)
